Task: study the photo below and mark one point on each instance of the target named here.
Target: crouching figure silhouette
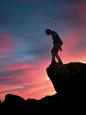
(57, 43)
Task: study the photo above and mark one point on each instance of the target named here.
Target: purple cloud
(4, 19)
(40, 16)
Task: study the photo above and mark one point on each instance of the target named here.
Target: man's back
(56, 38)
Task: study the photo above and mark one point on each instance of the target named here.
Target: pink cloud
(25, 72)
(12, 67)
(40, 90)
(28, 83)
(36, 92)
(80, 57)
(27, 89)
(20, 1)
(74, 46)
(6, 41)
(19, 66)
(80, 10)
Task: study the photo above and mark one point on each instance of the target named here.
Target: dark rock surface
(68, 77)
(69, 83)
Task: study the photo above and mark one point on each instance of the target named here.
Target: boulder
(69, 78)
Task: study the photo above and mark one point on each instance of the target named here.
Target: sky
(25, 48)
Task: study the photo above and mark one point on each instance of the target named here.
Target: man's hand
(60, 49)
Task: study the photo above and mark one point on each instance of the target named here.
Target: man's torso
(56, 38)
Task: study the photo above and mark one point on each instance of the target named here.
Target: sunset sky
(25, 48)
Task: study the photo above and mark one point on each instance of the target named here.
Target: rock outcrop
(69, 81)
(68, 78)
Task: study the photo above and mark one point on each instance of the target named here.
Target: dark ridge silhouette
(13, 98)
(69, 83)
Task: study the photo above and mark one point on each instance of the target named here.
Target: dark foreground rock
(69, 83)
(68, 78)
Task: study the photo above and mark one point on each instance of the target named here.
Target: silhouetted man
(57, 42)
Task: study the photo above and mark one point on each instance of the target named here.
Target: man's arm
(60, 49)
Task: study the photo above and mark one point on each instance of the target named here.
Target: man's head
(48, 31)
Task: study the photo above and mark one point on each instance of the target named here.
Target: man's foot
(54, 62)
(60, 62)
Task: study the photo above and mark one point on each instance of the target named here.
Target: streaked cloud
(4, 19)
(6, 41)
(40, 16)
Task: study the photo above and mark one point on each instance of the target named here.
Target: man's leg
(53, 53)
(59, 59)
(57, 56)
